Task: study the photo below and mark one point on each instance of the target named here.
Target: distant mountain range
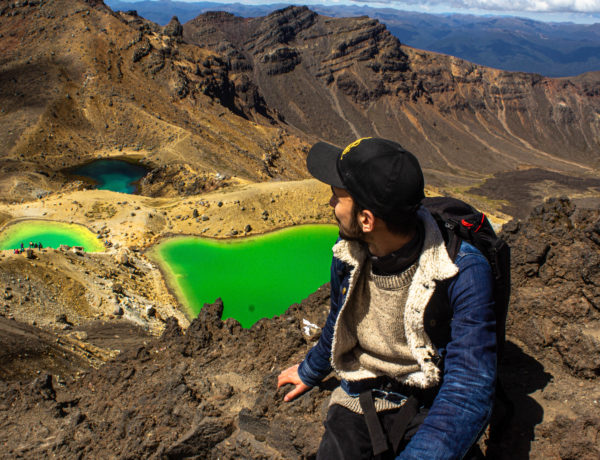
(508, 43)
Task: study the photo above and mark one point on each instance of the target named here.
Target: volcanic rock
(555, 306)
(174, 28)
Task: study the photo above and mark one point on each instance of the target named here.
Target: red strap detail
(480, 223)
(469, 224)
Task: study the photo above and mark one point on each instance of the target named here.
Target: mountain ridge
(340, 79)
(552, 49)
(251, 98)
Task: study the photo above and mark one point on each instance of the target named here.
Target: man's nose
(332, 201)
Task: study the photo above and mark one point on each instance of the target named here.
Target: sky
(580, 11)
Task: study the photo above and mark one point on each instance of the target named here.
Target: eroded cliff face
(345, 78)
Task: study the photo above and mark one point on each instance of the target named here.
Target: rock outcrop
(555, 307)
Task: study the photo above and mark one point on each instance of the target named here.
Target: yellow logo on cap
(351, 146)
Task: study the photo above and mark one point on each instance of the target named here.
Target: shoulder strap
(376, 433)
(453, 245)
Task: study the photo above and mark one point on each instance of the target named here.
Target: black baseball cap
(379, 174)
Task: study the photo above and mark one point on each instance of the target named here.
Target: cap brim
(322, 163)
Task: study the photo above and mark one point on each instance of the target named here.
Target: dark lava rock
(281, 60)
(199, 440)
(555, 304)
(142, 50)
(174, 28)
(62, 319)
(172, 329)
(580, 437)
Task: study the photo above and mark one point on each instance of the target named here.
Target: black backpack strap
(407, 412)
(453, 245)
(376, 433)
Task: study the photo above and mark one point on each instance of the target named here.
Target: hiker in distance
(417, 378)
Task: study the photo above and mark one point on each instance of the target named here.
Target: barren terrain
(97, 356)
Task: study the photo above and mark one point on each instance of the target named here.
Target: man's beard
(353, 233)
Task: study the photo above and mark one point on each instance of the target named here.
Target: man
(415, 383)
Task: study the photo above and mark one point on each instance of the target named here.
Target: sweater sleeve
(462, 408)
(317, 363)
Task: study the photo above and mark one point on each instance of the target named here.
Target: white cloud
(580, 6)
(541, 6)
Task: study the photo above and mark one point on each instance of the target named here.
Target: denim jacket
(464, 402)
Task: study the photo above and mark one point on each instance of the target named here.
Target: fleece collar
(354, 253)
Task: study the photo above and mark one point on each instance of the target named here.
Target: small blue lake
(112, 174)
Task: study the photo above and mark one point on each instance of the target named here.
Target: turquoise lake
(112, 174)
(257, 277)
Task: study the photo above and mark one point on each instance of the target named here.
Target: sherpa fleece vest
(376, 319)
(434, 265)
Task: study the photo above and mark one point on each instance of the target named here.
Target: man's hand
(290, 375)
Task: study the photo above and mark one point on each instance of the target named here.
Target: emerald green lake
(257, 277)
(111, 174)
(50, 234)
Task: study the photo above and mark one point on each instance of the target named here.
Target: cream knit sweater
(375, 317)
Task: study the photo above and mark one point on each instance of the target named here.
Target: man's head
(375, 174)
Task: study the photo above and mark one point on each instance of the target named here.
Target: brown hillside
(349, 77)
(78, 81)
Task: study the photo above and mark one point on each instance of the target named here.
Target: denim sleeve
(463, 405)
(317, 364)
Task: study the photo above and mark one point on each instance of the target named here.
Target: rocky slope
(244, 98)
(349, 77)
(551, 368)
(342, 78)
(209, 391)
(78, 82)
(224, 128)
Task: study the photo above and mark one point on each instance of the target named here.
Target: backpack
(459, 221)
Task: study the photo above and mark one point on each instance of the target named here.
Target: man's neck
(385, 242)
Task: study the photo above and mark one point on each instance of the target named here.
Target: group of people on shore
(32, 245)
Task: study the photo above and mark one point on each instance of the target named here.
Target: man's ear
(366, 220)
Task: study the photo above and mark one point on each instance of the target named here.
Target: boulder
(122, 257)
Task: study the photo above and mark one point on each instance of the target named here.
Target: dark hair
(402, 224)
